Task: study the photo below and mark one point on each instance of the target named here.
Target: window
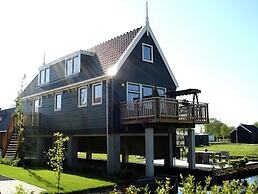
(133, 92)
(97, 93)
(147, 53)
(44, 76)
(137, 91)
(72, 66)
(37, 104)
(1, 118)
(58, 102)
(147, 91)
(161, 91)
(82, 96)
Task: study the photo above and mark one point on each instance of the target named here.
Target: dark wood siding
(243, 136)
(138, 71)
(71, 118)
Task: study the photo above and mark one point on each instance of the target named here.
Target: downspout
(107, 83)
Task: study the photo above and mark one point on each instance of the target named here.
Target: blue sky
(211, 45)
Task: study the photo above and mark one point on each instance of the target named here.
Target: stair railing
(8, 135)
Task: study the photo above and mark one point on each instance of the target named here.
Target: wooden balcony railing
(163, 110)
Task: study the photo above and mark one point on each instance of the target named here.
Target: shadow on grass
(42, 180)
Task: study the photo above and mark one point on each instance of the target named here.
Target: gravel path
(8, 186)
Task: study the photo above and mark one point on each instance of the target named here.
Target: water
(250, 180)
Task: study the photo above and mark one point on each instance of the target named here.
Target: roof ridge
(112, 39)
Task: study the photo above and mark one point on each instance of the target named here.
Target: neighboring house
(116, 97)
(244, 134)
(200, 140)
(6, 118)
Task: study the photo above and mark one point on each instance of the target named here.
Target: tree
(256, 124)
(19, 119)
(56, 156)
(224, 131)
(217, 128)
(213, 127)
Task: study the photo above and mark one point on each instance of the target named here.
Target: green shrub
(9, 162)
(238, 163)
(6, 161)
(189, 186)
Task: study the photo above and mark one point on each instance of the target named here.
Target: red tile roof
(110, 51)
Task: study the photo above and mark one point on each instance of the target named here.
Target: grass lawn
(132, 158)
(46, 179)
(241, 150)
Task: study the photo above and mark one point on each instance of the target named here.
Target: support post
(171, 140)
(149, 152)
(88, 155)
(125, 156)
(72, 151)
(191, 148)
(113, 153)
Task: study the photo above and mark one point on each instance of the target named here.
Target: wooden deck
(163, 110)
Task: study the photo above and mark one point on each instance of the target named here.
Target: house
(6, 124)
(200, 140)
(116, 97)
(244, 134)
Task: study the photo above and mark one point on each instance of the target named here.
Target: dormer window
(72, 66)
(147, 53)
(43, 76)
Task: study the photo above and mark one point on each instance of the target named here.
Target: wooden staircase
(10, 141)
(12, 147)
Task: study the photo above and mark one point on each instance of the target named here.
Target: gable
(146, 30)
(134, 69)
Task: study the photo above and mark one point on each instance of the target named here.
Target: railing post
(157, 101)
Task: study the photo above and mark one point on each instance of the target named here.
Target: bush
(9, 162)
(189, 186)
(238, 163)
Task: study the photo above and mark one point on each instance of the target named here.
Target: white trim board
(246, 129)
(65, 57)
(66, 87)
(114, 69)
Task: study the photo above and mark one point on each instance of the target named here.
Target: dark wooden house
(6, 133)
(244, 134)
(117, 97)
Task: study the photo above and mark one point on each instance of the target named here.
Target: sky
(210, 45)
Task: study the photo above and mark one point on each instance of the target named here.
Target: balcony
(163, 110)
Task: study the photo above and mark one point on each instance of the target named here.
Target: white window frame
(46, 78)
(127, 90)
(79, 96)
(73, 66)
(147, 86)
(141, 86)
(164, 89)
(39, 105)
(92, 94)
(147, 45)
(57, 109)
